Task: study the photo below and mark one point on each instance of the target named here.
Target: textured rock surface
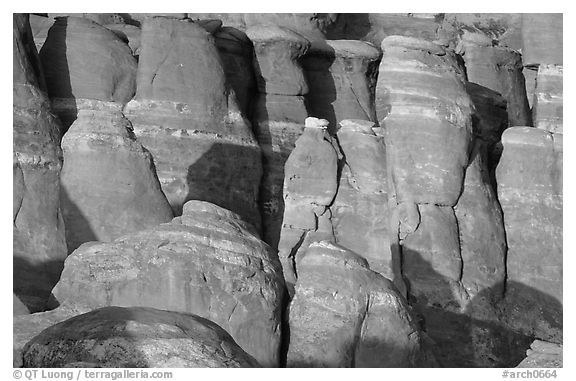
(185, 116)
(39, 246)
(345, 315)
(543, 355)
(529, 179)
(548, 98)
(108, 182)
(360, 214)
(207, 262)
(422, 102)
(18, 308)
(276, 50)
(342, 78)
(499, 69)
(135, 337)
(310, 184)
(40, 26)
(129, 34)
(82, 59)
(278, 120)
(542, 38)
(236, 52)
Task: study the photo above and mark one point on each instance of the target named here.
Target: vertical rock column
(529, 179)
(342, 79)
(499, 69)
(39, 246)
(183, 113)
(309, 189)
(236, 52)
(109, 184)
(83, 60)
(360, 210)
(548, 110)
(426, 113)
(277, 114)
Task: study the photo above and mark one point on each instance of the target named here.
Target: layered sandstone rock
(39, 246)
(499, 69)
(277, 119)
(529, 179)
(548, 98)
(360, 214)
(83, 60)
(208, 262)
(236, 52)
(543, 355)
(345, 315)
(374, 27)
(542, 38)
(342, 75)
(310, 185)
(109, 185)
(135, 337)
(187, 117)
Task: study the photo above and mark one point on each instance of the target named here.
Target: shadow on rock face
(227, 175)
(56, 70)
(491, 330)
(31, 282)
(82, 231)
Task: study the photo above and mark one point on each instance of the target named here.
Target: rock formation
(207, 262)
(310, 185)
(135, 337)
(185, 115)
(109, 185)
(84, 60)
(345, 315)
(543, 355)
(39, 246)
(277, 118)
(360, 213)
(542, 38)
(499, 69)
(548, 98)
(341, 76)
(529, 178)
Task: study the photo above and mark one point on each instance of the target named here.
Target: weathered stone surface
(207, 262)
(313, 26)
(277, 51)
(548, 98)
(278, 121)
(18, 308)
(82, 59)
(499, 69)
(543, 355)
(374, 27)
(100, 18)
(490, 119)
(360, 214)
(135, 337)
(345, 315)
(342, 75)
(431, 260)
(310, 184)
(236, 52)
(108, 182)
(186, 116)
(39, 246)
(422, 103)
(40, 26)
(542, 38)
(529, 178)
(129, 34)
(26, 327)
(481, 229)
